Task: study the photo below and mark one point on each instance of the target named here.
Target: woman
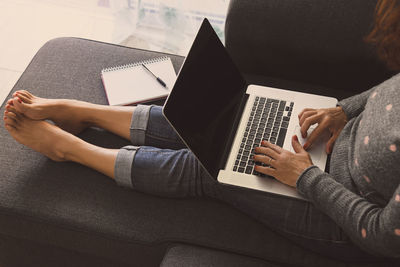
(358, 202)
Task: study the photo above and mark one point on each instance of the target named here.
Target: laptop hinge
(232, 133)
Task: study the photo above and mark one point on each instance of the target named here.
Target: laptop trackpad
(317, 149)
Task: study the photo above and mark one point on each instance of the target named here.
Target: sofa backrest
(316, 42)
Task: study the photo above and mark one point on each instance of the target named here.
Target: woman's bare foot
(41, 136)
(60, 111)
(73, 115)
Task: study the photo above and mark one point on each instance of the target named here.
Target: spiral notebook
(133, 84)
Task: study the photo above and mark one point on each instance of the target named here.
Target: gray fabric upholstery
(314, 42)
(71, 206)
(190, 256)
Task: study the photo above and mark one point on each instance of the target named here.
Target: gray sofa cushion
(190, 256)
(314, 42)
(73, 207)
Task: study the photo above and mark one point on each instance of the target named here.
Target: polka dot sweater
(361, 193)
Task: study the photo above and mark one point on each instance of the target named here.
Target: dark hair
(386, 32)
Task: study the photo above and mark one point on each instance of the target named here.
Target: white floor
(25, 25)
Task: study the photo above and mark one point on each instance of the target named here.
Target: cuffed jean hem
(140, 118)
(123, 166)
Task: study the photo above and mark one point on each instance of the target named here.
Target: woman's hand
(286, 166)
(331, 119)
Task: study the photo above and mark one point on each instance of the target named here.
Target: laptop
(222, 119)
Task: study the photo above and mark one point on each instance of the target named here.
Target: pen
(157, 78)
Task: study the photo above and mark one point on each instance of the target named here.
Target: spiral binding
(132, 65)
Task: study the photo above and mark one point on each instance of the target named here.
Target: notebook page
(133, 84)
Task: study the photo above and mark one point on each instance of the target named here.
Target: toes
(11, 119)
(11, 108)
(24, 98)
(10, 128)
(28, 94)
(19, 105)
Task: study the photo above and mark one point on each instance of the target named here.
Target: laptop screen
(205, 99)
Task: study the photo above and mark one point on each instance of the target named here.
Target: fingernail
(306, 145)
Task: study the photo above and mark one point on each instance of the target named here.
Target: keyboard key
(249, 169)
(272, 140)
(234, 168)
(285, 124)
(282, 105)
(274, 134)
(241, 151)
(289, 114)
(287, 108)
(281, 137)
(241, 169)
(285, 118)
(250, 162)
(242, 164)
(237, 162)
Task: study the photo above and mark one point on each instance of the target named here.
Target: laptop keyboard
(269, 120)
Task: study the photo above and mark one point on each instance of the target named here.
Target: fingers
(331, 142)
(265, 170)
(267, 151)
(296, 144)
(307, 123)
(306, 115)
(267, 160)
(303, 111)
(314, 135)
(274, 147)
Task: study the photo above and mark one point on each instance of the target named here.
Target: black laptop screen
(206, 98)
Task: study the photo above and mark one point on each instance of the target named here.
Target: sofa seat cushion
(191, 256)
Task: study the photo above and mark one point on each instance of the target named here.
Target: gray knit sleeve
(354, 105)
(374, 228)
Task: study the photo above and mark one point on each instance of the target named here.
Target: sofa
(64, 214)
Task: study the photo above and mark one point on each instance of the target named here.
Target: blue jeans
(160, 164)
